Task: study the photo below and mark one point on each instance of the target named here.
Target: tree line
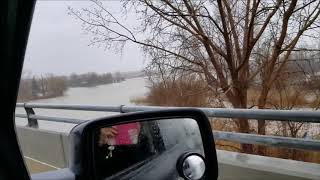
(93, 79)
(48, 86)
(42, 87)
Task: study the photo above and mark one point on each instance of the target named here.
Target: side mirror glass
(191, 166)
(167, 145)
(134, 145)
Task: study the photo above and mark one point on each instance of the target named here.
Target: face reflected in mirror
(128, 147)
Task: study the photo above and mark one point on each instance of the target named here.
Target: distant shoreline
(38, 98)
(69, 87)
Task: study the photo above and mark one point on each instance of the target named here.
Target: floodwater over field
(109, 94)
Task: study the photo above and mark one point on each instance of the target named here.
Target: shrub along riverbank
(193, 92)
(49, 86)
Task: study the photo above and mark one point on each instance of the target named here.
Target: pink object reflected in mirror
(127, 134)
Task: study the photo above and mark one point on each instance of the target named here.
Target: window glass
(62, 66)
(193, 53)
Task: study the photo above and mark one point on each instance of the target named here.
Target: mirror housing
(81, 139)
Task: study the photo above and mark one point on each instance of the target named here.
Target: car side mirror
(170, 144)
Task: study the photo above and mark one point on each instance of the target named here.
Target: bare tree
(43, 85)
(293, 89)
(218, 40)
(56, 85)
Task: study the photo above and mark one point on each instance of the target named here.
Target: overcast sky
(57, 44)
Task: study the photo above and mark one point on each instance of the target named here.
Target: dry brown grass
(192, 92)
(299, 155)
(181, 92)
(284, 99)
(284, 153)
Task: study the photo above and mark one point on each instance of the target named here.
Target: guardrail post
(32, 122)
(121, 108)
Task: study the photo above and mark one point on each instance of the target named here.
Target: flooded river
(108, 94)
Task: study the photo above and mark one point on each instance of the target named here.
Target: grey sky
(57, 44)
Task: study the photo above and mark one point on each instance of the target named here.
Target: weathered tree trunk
(243, 123)
(242, 89)
(262, 123)
(244, 127)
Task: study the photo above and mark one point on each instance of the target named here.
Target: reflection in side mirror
(144, 146)
(136, 145)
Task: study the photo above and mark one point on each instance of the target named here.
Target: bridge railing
(252, 114)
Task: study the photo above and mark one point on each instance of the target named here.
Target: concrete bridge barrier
(52, 148)
(45, 146)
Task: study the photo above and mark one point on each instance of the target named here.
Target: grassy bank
(190, 92)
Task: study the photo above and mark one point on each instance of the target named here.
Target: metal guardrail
(254, 114)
